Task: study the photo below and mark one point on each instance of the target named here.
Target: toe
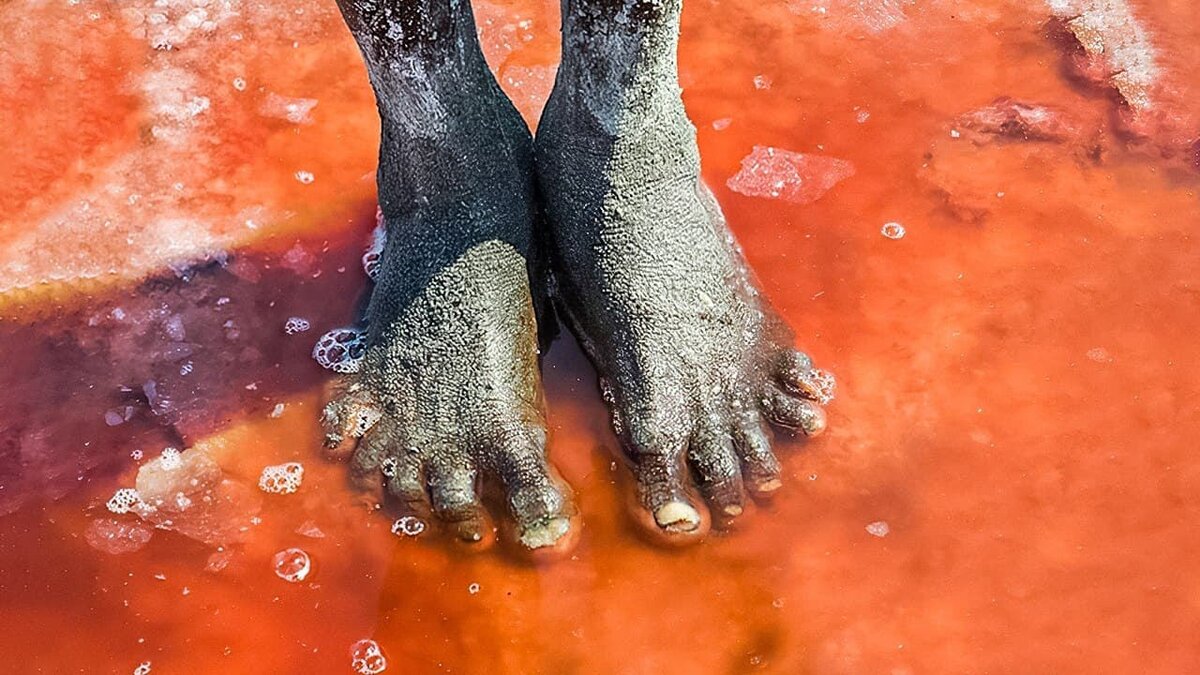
(539, 502)
(796, 373)
(407, 482)
(790, 411)
(662, 493)
(452, 491)
(760, 466)
(717, 470)
(369, 455)
(347, 417)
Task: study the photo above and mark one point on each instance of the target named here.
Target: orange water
(1018, 374)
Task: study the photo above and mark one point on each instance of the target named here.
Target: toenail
(769, 485)
(733, 510)
(677, 517)
(545, 534)
(814, 423)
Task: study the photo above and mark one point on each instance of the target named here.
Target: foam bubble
(142, 669)
(388, 466)
(473, 588)
(305, 177)
(281, 479)
(892, 230)
(366, 658)
(408, 526)
(124, 500)
(374, 253)
(296, 324)
(170, 459)
(341, 349)
(292, 565)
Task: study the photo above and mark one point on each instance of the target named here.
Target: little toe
(369, 455)
(761, 467)
(796, 373)
(792, 412)
(455, 500)
(718, 472)
(345, 419)
(539, 502)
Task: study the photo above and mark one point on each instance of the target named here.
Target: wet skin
(692, 361)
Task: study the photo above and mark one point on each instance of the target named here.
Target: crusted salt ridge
(1116, 43)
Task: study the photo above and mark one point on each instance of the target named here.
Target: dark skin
(691, 359)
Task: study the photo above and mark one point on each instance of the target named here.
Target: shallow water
(1008, 482)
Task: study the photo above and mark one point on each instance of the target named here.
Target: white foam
(366, 658)
(281, 479)
(341, 349)
(408, 526)
(296, 324)
(292, 565)
(124, 500)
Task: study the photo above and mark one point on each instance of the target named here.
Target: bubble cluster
(371, 258)
(296, 324)
(281, 479)
(341, 349)
(170, 459)
(408, 526)
(388, 466)
(292, 565)
(124, 500)
(878, 528)
(136, 455)
(366, 658)
(305, 177)
(892, 230)
(142, 669)
(821, 384)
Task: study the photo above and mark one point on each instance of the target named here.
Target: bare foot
(691, 358)
(448, 389)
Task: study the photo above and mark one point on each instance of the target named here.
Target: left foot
(691, 358)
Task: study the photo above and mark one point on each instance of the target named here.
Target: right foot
(448, 389)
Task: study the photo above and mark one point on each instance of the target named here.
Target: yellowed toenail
(770, 485)
(733, 510)
(545, 534)
(677, 516)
